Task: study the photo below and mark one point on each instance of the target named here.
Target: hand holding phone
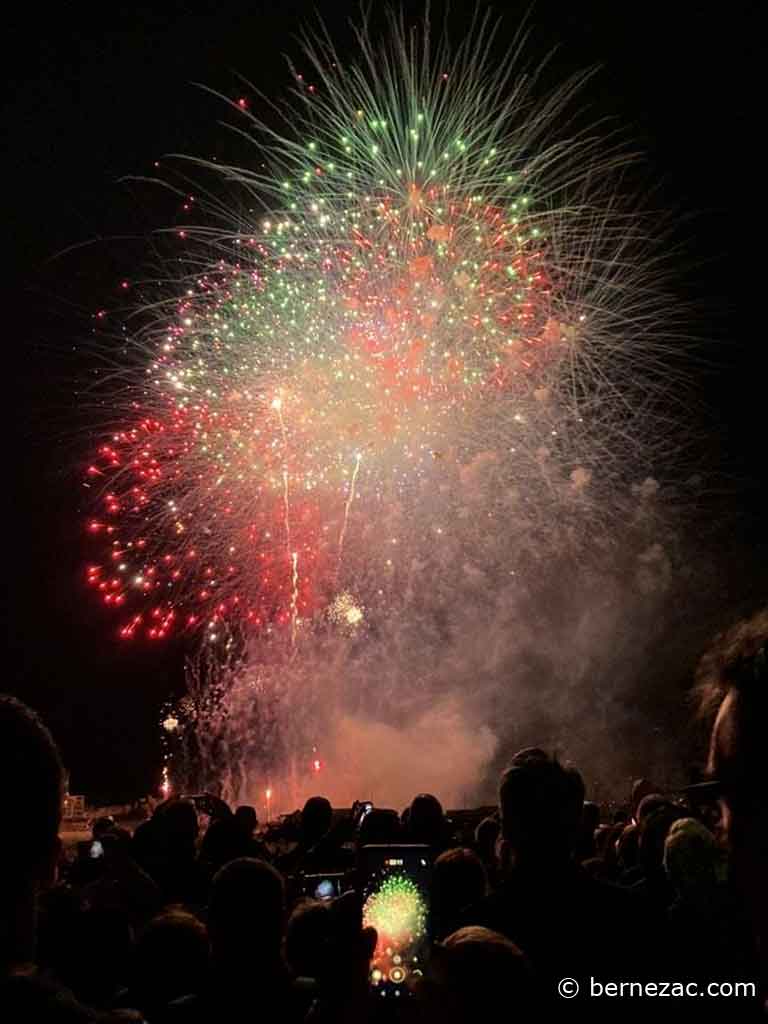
(360, 810)
(396, 903)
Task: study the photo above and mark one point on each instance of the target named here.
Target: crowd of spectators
(176, 922)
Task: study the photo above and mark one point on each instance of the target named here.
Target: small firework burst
(344, 611)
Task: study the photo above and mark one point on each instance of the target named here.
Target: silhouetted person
(459, 880)
(426, 822)
(31, 768)
(379, 826)
(144, 845)
(246, 922)
(317, 849)
(247, 820)
(649, 805)
(641, 788)
(225, 840)
(707, 936)
(123, 886)
(307, 934)
(172, 840)
(565, 921)
(477, 975)
(170, 961)
(633, 869)
(98, 955)
(605, 863)
(733, 682)
(486, 836)
(627, 853)
(32, 806)
(316, 817)
(589, 824)
(102, 825)
(652, 884)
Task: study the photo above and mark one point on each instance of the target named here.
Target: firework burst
(397, 911)
(436, 316)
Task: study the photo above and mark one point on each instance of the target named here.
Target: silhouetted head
(459, 879)
(144, 842)
(34, 778)
(472, 975)
(641, 788)
(316, 817)
(627, 847)
(177, 822)
(170, 959)
(486, 834)
(247, 819)
(379, 826)
(223, 841)
(102, 825)
(649, 805)
(246, 912)
(97, 954)
(118, 844)
(692, 859)
(426, 821)
(654, 829)
(309, 928)
(606, 837)
(541, 807)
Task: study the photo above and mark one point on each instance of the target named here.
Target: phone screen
(396, 903)
(323, 887)
(97, 850)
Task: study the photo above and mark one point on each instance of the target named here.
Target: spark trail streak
(294, 599)
(347, 507)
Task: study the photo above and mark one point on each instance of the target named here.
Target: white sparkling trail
(294, 598)
(347, 507)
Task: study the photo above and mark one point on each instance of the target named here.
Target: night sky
(98, 93)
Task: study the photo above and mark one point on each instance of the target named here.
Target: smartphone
(396, 902)
(322, 887)
(96, 850)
